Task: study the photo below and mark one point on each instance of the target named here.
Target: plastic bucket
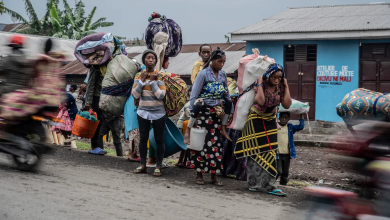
(83, 127)
(174, 141)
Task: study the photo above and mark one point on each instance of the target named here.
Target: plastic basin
(174, 141)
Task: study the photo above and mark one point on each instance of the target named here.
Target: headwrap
(160, 45)
(218, 53)
(272, 69)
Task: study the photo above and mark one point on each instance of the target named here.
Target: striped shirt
(205, 76)
(151, 95)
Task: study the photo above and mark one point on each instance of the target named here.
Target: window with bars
(300, 53)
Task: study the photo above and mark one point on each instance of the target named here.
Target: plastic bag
(296, 107)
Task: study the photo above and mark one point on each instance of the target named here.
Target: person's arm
(299, 127)
(158, 87)
(260, 98)
(90, 88)
(137, 89)
(286, 100)
(197, 88)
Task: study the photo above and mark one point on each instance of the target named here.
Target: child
(286, 145)
(204, 53)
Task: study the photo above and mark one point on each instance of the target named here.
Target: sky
(202, 21)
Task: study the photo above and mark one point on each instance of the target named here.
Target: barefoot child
(286, 147)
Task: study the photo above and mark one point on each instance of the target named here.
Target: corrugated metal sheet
(324, 19)
(74, 67)
(35, 44)
(14, 27)
(183, 63)
(191, 48)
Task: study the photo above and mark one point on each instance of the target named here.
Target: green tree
(83, 26)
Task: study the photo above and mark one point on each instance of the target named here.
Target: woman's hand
(230, 119)
(260, 80)
(153, 77)
(285, 82)
(144, 75)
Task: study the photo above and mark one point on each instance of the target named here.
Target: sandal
(217, 183)
(139, 170)
(277, 192)
(199, 182)
(157, 172)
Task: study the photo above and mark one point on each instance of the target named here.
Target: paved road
(74, 186)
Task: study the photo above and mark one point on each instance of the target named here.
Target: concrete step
(322, 137)
(328, 144)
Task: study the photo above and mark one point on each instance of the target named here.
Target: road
(75, 185)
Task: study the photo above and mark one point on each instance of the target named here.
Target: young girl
(67, 114)
(151, 110)
(209, 88)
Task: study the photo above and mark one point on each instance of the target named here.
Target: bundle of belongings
(364, 104)
(174, 99)
(250, 69)
(164, 37)
(107, 53)
(88, 116)
(296, 107)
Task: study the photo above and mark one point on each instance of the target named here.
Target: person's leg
(285, 169)
(152, 156)
(96, 137)
(144, 126)
(103, 131)
(228, 107)
(159, 132)
(279, 168)
(116, 129)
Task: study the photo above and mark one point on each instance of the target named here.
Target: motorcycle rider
(15, 71)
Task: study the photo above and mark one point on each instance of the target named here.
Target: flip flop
(277, 192)
(150, 166)
(252, 190)
(216, 183)
(132, 160)
(139, 170)
(163, 165)
(157, 172)
(97, 151)
(199, 182)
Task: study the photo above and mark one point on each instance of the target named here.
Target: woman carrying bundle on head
(209, 89)
(259, 137)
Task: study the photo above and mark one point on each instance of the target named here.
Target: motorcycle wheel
(33, 131)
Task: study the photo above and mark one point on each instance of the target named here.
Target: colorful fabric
(272, 70)
(198, 66)
(175, 39)
(213, 90)
(66, 123)
(176, 96)
(258, 178)
(123, 89)
(208, 160)
(272, 99)
(364, 104)
(259, 141)
(233, 167)
(205, 76)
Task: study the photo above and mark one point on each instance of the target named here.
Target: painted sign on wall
(329, 75)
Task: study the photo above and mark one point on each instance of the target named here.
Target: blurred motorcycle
(370, 156)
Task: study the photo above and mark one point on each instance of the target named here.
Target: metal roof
(336, 18)
(182, 64)
(74, 67)
(35, 44)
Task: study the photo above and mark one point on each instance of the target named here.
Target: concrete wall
(337, 69)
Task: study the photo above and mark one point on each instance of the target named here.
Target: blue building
(327, 51)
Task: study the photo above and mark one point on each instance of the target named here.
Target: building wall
(337, 57)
